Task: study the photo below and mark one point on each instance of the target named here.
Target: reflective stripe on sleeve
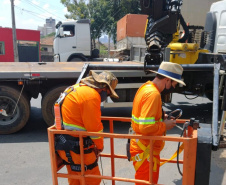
(68, 126)
(96, 137)
(144, 121)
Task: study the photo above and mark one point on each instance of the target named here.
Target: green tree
(116, 10)
(97, 12)
(77, 9)
(103, 14)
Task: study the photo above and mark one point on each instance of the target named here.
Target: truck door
(68, 43)
(83, 38)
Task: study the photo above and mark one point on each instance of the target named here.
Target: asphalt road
(24, 156)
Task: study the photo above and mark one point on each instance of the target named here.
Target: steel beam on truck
(186, 67)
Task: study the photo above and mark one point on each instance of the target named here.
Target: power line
(41, 9)
(30, 12)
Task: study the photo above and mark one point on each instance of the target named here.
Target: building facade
(28, 43)
(49, 27)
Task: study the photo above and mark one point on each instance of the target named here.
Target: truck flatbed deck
(27, 70)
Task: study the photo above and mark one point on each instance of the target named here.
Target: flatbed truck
(19, 82)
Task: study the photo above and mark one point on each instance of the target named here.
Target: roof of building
(47, 41)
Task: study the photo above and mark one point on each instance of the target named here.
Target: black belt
(78, 168)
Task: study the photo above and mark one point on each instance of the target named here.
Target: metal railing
(189, 155)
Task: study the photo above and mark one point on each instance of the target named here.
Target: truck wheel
(95, 53)
(77, 59)
(48, 104)
(13, 119)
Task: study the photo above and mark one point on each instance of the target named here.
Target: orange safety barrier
(189, 157)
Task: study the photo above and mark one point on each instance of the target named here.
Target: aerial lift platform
(199, 139)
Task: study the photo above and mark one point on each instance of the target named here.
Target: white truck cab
(72, 41)
(219, 9)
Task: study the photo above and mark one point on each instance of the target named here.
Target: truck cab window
(69, 30)
(2, 48)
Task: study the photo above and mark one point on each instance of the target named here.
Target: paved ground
(24, 156)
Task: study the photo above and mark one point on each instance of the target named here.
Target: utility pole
(109, 44)
(15, 49)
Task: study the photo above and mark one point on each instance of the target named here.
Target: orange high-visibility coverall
(147, 120)
(81, 111)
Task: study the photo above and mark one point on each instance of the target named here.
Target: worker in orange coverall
(149, 120)
(81, 111)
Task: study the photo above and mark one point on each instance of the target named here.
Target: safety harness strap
(140, 158)
(181, 148)
(57, 106)
(69, 143)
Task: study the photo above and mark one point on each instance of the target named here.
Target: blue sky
(30, 14)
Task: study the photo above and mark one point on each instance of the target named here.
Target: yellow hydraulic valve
(183, 46)
(178, 46)
(185, 53)
(192, 46)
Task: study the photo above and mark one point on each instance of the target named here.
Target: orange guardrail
(189, 156)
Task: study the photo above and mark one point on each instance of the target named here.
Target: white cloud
(30, 24)
(35, 2)
(65, 10)
(46, 6)
(2, 18)
(6, 2)
(16, 2)
(45, 15)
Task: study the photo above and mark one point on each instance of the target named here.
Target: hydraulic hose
(184, 128)
(186, 30)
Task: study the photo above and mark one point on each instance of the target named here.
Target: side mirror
(61, 32)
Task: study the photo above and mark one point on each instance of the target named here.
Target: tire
(77, 59)
(15, 120)
(48, 104)
(95, 53)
